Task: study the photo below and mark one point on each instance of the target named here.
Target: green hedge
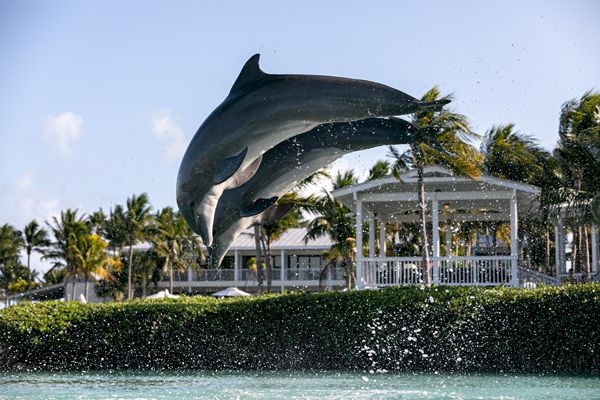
(411, 328)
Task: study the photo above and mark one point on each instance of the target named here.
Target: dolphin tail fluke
(258, 206)
(229, 167)
(433, 105)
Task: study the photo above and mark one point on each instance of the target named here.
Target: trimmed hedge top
(407, 328)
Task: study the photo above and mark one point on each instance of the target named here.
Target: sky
(99, 99)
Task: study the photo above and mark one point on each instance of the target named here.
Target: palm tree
(344, 178)
(170, 240)
(136, 222)
(66, 231)
(450, 147)
(289, 207)
(510, 154)
(90, 257)
(114, 229)
(334, 219)
(578, 160)
(380, 169)
(11, 269)
(35, 238)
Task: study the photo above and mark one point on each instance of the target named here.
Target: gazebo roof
(486, 198)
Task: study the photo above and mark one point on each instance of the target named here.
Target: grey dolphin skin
(295, 159)
(261, 111)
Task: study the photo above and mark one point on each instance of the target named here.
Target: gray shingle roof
(292, 239)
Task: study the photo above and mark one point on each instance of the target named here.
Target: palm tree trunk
(423, 215)
(144, 284)
(170, 275)
(73, 288)
(259, 275)
(28, 263)
(547, 255)
(87, 285)
(130, 273)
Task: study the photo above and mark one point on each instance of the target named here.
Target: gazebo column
(237, 266)
(382, 238)
(514, 237)
(594, 249)
(435, 227)
(448, 239)
(359, 245)
(283, 270)
(371, 218)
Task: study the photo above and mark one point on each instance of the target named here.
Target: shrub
(410, 328)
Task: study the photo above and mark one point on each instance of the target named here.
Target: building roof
(292, 239)
(397, 199)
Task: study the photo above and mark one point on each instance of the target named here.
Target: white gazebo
(450, 199)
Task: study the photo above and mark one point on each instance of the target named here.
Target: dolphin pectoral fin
(276, 212)
(243, 176)
(433, 105)
(250, 76)
(258, 206)
(229, 167)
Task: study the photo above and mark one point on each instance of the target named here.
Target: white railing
(392, 271)
(579, 277)
(249, 276)
(455, 271)
(529, 278)
(475, 271)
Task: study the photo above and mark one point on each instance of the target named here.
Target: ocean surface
(326, 385)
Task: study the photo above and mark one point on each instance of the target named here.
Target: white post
(594, 249)
(371, 218)
(189, 279)
(448, 239)
(514, 237)
(237, 265)
(382, 238)
(435, 227)
(283, 271)
(359, 244)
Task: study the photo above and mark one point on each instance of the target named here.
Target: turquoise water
(156, 386)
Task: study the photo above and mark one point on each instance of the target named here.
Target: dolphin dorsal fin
(249, 76)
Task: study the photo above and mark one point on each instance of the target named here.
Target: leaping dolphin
(292, 161)
(261, 111)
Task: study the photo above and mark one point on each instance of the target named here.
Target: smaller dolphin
(261, 111)
(295, 159)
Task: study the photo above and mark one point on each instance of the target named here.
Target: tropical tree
(66, 231)
(334, 220)
(136, 223)
(380, 169)
(172, 241)
(89, 257)
(114, 229)
(344, 179)
(11, 269)
(446, 141)
(510, 154)
(578, 159)
(35, 238)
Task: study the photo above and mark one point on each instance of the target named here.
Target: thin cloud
(63, 130)
(167, 130)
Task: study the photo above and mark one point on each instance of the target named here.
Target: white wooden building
(450, 199)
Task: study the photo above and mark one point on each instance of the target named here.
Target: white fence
(456, 271)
